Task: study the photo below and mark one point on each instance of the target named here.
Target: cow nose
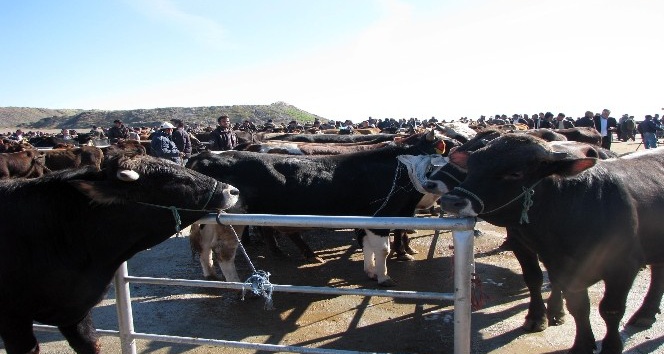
(452, 203)
(430, 186)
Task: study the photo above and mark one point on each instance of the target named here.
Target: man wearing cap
(163, 146)
(223, 138)
(118, 131)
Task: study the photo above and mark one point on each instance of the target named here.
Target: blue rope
(178, 221)
(259, 281)
(259, 284)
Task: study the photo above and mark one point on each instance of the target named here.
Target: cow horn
(127, 175)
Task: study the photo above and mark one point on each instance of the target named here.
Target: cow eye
(513, 175)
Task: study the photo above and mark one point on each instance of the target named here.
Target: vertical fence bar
(123, 306)
(463, 266)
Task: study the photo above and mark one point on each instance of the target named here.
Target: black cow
(361, 183)
(587, 219)
(55, 267)
(539, 315)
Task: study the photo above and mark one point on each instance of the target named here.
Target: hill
(42, 118)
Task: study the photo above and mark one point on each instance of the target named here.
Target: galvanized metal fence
(462, 233)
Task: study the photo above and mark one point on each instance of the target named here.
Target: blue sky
(340, 59)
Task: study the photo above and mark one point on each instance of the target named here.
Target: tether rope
(259, 281)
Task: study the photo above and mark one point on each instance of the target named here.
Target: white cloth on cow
(419, 166)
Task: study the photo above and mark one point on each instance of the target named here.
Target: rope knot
(259, 284)
(527, 203)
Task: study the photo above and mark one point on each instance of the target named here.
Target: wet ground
(370, 324)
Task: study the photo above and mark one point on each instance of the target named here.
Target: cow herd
(585, 213)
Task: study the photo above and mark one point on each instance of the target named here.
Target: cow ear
(98, 191)
(459, 158)
(573, 167)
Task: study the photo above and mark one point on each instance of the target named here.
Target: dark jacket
(585, 122)
(182, 141)
(222, 139)
(610, 123)
(566, 124)
(116, 133)
(162, 146)
(648, 126)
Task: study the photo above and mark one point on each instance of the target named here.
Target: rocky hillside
(41, 118)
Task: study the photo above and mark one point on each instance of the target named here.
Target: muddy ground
(370, 324)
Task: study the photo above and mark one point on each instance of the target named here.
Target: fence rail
(462, 232)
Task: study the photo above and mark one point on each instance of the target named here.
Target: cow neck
(527, 193)
(175, 210)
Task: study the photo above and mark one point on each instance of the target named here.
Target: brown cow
(60, 159)
(9, 145)
(127, 147)
(28, 164)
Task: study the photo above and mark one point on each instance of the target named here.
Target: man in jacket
(118, 131)
(163, 146)
(223, 138)
(182, 140)
(606, 125)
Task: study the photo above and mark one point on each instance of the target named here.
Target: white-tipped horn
(127, 175)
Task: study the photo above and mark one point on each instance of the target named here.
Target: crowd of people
(173, 140)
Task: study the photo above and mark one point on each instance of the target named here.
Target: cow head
(450, 175)
(506, 169)
(428, 143)
(151, 180)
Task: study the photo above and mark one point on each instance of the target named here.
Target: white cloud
(509, 56)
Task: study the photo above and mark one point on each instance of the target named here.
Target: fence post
(463, 267)
(123, 306)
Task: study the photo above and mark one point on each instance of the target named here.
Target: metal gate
(462, 232)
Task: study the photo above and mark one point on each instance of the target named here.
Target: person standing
(562, 123)
(586, 120)
(118, 131)
(546, 122)
(648, 130)
(223, 138)
(606, 125)
(182, 140)
(162, 144)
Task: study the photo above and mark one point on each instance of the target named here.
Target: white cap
(166, 125)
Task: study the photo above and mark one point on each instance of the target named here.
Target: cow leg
(376, 248)
(201, 238)
(207, 241)
(82, 336)
(401, 246)
(17, 335)
(269, 235)
(578, 305)
(555, 312)
(225, 247)
(308, 253)
(645, 315)
(532, 275)
(612, 306)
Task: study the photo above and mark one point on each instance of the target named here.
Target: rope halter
(527, 194)
(175, 210)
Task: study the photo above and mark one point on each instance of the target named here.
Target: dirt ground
(366, 324)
